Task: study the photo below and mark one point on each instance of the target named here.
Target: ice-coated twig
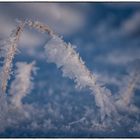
(66, 58)
(78, 121)
(72, 66)
(10, 53)
(40, 26)
(127, 96)
(128, 91)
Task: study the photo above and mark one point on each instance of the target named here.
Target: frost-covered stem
(22, 85)
(13, 41)
(128, 93)
(40, 26)
(80, 73)
(78, 121)
(65, 57)
(57, 51)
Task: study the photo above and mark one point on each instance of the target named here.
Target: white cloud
(29, 39)
(131, 25)
(63, 19)
(30, 42)
(118, 57)
(106, 31)
(6, 26)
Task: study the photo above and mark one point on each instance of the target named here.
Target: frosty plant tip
(64, 56)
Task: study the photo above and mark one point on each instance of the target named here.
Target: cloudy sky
(107, 38)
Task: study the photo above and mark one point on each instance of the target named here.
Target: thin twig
(13, 40)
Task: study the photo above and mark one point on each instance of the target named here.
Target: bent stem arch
(12, 44)
(80, 74)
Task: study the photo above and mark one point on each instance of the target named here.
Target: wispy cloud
(131, 25)
(63, 19)
(118, 57)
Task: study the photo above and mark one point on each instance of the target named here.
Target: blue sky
(107, 38)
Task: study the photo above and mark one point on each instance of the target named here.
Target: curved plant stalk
(124, 99)
(128, 93)
(64, 56)
(72, 66)
(11, 51)
(40, 26)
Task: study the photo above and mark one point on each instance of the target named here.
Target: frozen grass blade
(72, 66)
(10, 53)
(22, 85)
(40, 26)
(127, 96)
(64, 56)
